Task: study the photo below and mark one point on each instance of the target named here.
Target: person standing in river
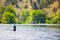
(14, 28)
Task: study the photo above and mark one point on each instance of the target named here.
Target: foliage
(53, 19)
(23, 15)
(8, 18)
(58, 17)
(0, 21)
(49, 18)
(34, 5)
(2, 10)
(10, 9)
(36, 16)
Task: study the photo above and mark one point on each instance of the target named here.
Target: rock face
(36, 4)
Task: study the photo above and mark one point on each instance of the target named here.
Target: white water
(28, 33)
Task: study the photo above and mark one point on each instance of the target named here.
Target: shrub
(0, 21)
(53, 19)
(50, 19)
(58, 17)
(23, 16)
(10, 9)
(2, 10)
(8, 18)
(36, 16)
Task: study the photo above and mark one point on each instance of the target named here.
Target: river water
(28, 32)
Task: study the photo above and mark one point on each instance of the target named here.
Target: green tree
(23, 16)
(58, 17)
(50, 19)
(10, 9)
(53, 19)
(2, 8)
(8, 18)
(36, 16)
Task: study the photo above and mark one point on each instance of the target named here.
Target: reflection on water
(29, 32)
